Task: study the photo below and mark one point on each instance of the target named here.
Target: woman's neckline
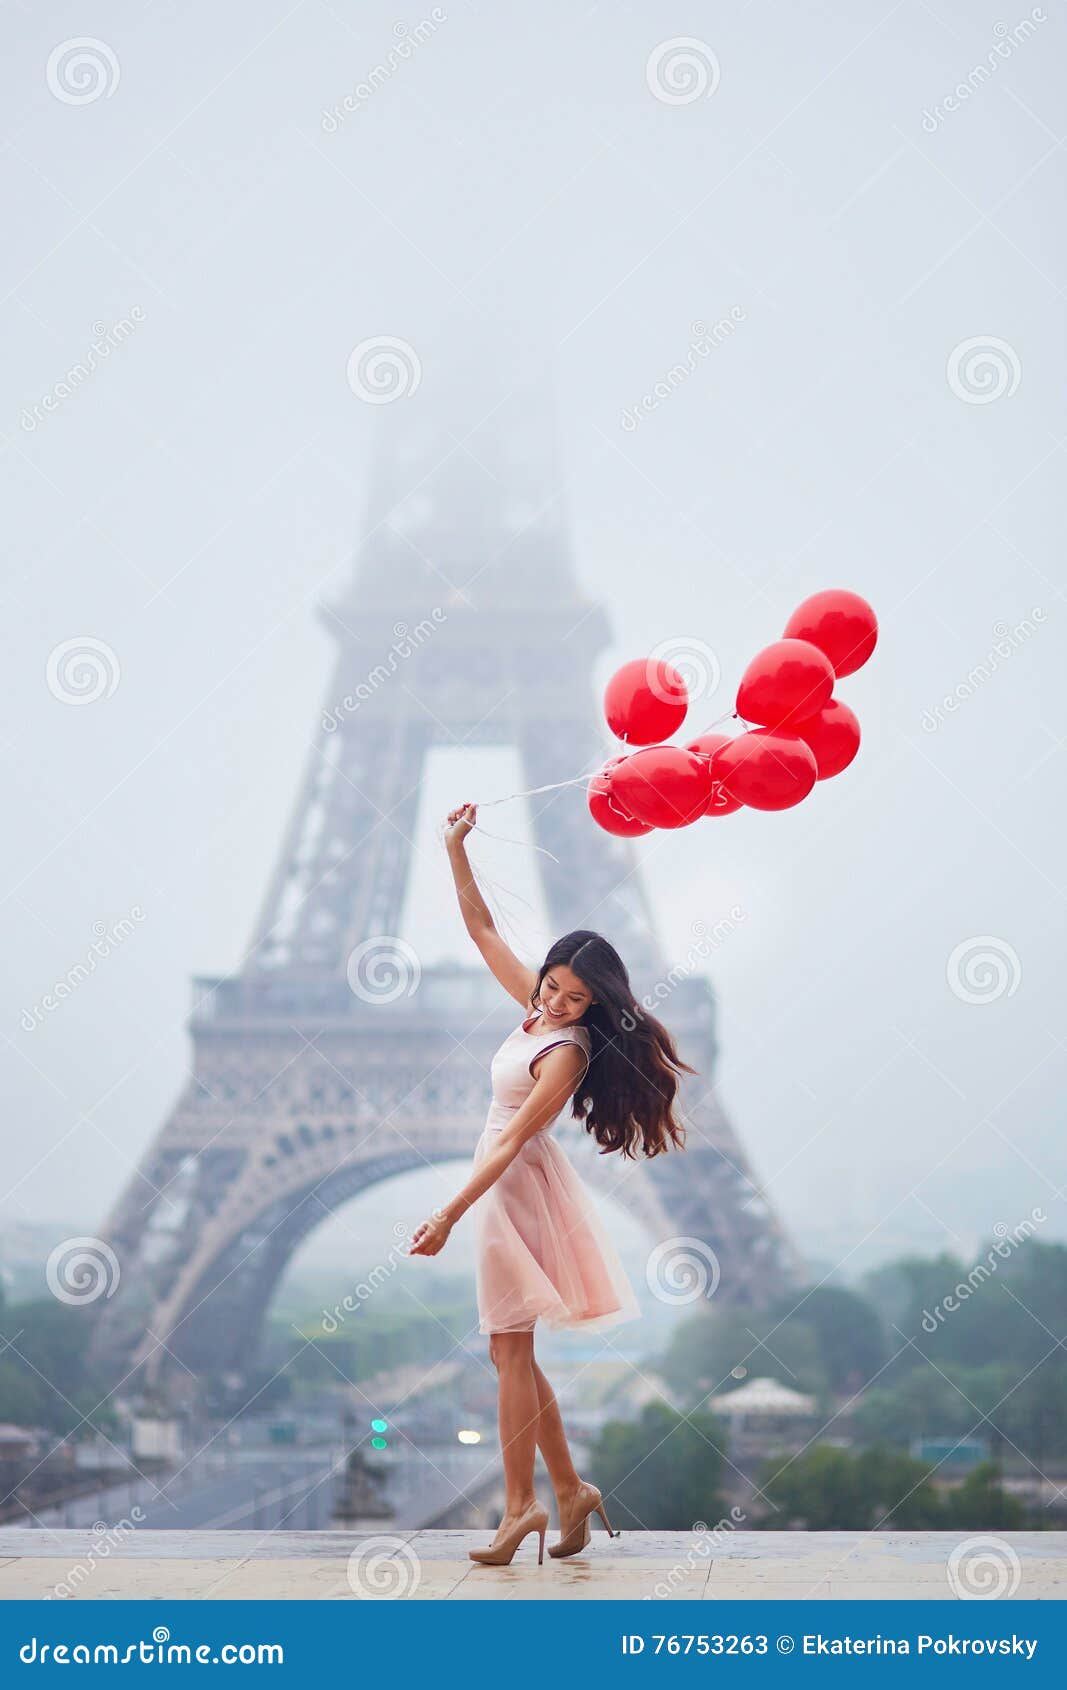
(530, 1034)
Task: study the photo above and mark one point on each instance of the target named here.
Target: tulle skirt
(542, 1252)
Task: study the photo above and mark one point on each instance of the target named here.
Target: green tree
(982, 1504)
(828, 1342)
(45, 1378)
(832, 1489)
(847, 1331)
(705, 1350)
(661, 1472)
(821, 1490)
(899, 1490)
(1032, 1413)
(920, 1401)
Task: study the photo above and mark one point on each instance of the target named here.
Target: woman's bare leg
(552, 1442)
(512, 1355)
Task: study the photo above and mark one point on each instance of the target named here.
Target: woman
(542, 1253)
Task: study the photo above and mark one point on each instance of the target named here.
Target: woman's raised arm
(512, 974)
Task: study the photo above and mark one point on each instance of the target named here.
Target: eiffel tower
(331, 1061)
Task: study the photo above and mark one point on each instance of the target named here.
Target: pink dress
(542, 1252)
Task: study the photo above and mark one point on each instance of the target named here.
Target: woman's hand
(460, 822)
(431, 1236)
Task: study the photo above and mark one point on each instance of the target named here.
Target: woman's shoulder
(575, 1035)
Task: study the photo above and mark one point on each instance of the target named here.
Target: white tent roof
(762, 1396)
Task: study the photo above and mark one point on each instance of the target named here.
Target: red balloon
(665, 785)
(784, 683)
(645, 701)
(834, 737)
(706, 745)
(841, 624)
(766, 769)
(606, 812)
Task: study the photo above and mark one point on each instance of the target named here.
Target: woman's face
(564, 998)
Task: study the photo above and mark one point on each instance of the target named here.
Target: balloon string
(531, 792)
(495, 896)
(501, 839)
(558, 785)
(730, 716)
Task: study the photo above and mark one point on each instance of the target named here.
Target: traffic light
(379, 1428)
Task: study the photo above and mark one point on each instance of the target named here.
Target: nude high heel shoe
(588, 1502)
(501, 1554)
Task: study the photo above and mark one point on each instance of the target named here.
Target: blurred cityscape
(931, 1394)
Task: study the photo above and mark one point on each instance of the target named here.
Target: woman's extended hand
(431, 1236)
(460, 822)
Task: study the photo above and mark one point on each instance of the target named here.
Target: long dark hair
(626, 1098)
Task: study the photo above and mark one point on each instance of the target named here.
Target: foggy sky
(193, 500)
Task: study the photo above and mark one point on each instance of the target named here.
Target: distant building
(765, 1416)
